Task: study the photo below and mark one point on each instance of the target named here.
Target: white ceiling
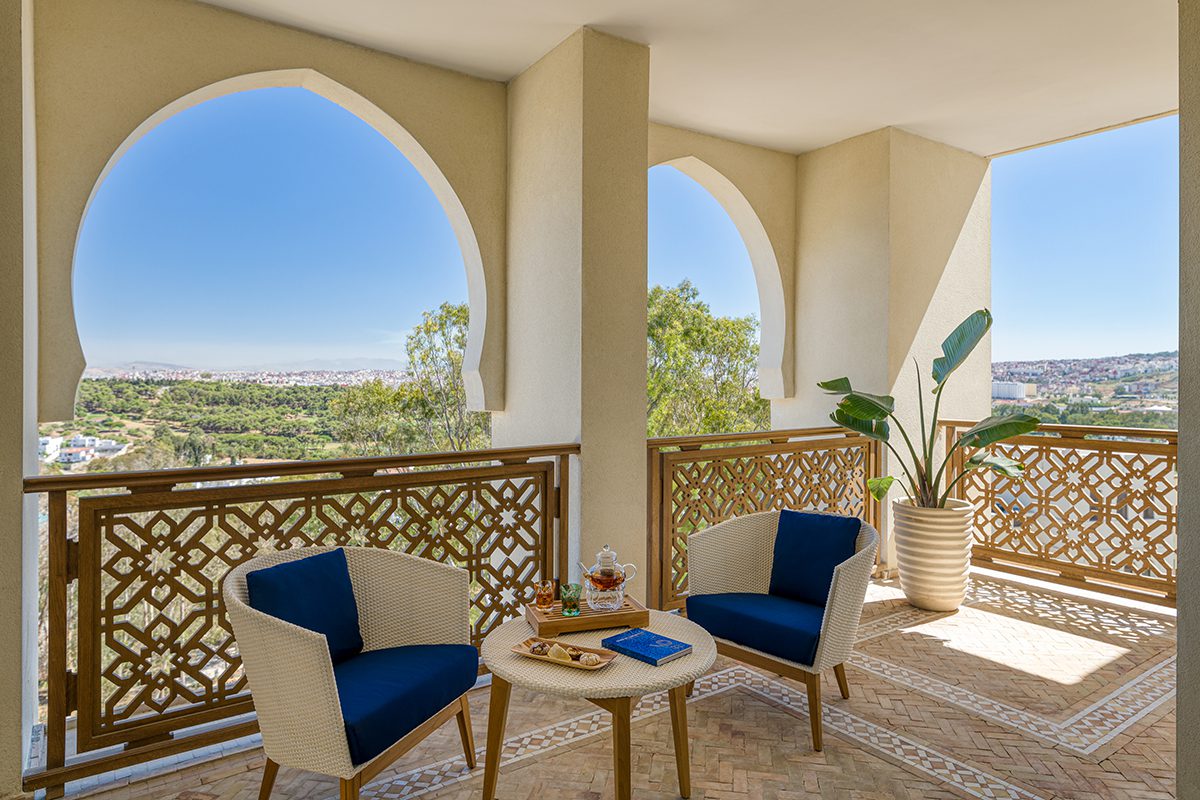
(984, 75)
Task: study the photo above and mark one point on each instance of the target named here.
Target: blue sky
(1085, 246)
(273, 227)
(263, 227)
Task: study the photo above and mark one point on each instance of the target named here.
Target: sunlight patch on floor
(1026, 646)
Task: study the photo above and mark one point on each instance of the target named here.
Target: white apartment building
(1012, 390)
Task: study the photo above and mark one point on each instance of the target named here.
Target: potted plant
(932, 528)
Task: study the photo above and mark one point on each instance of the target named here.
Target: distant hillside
(1061, 371)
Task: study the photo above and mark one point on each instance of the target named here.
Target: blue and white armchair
(784, 590)
(353, 655)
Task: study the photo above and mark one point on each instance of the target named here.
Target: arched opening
(707, 348)
(484, 391)
(767, 277)
(272, 268)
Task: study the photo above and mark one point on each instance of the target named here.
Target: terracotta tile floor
(1024, 693)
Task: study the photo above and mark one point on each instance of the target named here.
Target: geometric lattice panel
(156, 652)
(704, 487)
(1099, 508)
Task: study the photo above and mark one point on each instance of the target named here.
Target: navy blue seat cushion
(387, 693)
(785, 628)
(314, 593)
(807, 548)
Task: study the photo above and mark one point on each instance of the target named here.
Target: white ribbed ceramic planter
(933, 552)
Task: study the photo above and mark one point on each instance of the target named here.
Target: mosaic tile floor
(1025, 693)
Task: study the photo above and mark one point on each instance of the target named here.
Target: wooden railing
(139, 648)
(1096, 508)
(697, 481)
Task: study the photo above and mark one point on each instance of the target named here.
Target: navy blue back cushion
(807, 548)
(314, 593)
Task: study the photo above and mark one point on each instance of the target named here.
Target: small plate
(606, 656)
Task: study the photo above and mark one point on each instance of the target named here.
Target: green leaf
(997, 463)
(861, 405)
(997, 429)
(836, 386)
(871, 428)
(959, 344)
(878, 487)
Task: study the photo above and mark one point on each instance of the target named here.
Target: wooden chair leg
(691, 687)
(270, 770)
(349, 789)
(464, 731)
(813, 682)
(839, 672)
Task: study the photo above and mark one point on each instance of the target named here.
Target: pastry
(574, 652)
(558, 653)
(539, 648)
(589, 659)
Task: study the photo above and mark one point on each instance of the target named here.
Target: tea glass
(571, 593)
(543, 596)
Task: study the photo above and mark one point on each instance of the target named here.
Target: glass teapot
(605, 581)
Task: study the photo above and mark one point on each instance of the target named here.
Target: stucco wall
(1188, 713)
(940, 264)
(545, 209)
(842, 252)
(893, 251)
(577, 278)
(18, 514)
(104, 68)
(757, 187)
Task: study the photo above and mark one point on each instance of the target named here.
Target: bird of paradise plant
(869, 415)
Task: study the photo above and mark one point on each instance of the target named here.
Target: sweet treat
(574, 652)
(589, 659)
(539, 648)
(558, 653)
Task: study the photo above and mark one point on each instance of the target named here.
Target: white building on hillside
(48, 447)
(1012, 390)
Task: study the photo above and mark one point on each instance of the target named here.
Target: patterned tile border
(1084, 732)
(909, 752)
(889, 744)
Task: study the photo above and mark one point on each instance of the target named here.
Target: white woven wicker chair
(736, 556)
(402, 600)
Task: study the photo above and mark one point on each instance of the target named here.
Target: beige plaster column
(1188, 708)
(18, 533)
(893, 251)
(576, 361)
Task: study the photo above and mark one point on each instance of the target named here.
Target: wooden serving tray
(551, 622)
(606, 656)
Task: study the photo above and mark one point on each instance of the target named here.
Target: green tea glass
(570, 594)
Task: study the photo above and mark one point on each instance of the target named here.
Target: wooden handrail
(1084, 431)
(784, 434)
(278, 469)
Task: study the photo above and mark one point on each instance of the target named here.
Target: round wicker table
(615, 688)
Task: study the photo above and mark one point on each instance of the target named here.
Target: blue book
(653, 648)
